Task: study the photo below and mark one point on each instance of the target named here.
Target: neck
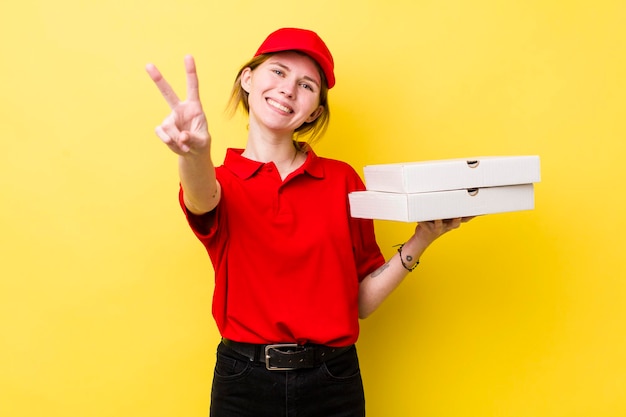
(269, 146)
(286, 156)
(271, 152)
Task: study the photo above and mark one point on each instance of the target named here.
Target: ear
(246, 79)
(315, 114)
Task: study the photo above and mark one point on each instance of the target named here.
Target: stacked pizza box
(445, 189)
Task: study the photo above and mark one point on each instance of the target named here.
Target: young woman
(293, 271)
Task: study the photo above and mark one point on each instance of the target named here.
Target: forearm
(377, 286)
(201, 190)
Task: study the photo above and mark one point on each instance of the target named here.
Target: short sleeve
(204, 226)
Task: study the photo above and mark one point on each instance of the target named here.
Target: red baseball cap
(303, 40)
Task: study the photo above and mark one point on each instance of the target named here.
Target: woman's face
(283, 91)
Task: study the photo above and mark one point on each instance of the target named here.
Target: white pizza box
(416, 207)
(452, 174)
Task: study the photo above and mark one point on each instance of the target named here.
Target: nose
(288, 88)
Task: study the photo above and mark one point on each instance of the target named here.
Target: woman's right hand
(185, 130)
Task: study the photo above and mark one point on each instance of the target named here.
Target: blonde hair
(312, 131)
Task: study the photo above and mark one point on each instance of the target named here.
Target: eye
(278, 72)
(308, 86)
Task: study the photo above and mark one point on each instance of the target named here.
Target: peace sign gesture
(185, 130)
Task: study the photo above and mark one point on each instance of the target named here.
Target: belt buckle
(277, 347)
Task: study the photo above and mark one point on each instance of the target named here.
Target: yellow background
(105, 293)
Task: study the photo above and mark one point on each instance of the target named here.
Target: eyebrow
(306, 77)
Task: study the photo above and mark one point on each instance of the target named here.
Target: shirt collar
(245, 168)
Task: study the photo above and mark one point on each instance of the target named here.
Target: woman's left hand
(431, 230)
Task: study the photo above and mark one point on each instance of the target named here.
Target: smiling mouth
(279, 106)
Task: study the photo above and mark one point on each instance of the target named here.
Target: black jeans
(243, 388)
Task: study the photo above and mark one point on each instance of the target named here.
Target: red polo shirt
(287, 256)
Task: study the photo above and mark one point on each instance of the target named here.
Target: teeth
(279, 106)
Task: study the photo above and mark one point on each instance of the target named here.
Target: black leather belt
(286, 356)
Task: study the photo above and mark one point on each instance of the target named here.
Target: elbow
(364, 312)
(202, 203)
(367, 304)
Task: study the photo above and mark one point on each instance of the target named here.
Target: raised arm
(185, 132)
(377, 286)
